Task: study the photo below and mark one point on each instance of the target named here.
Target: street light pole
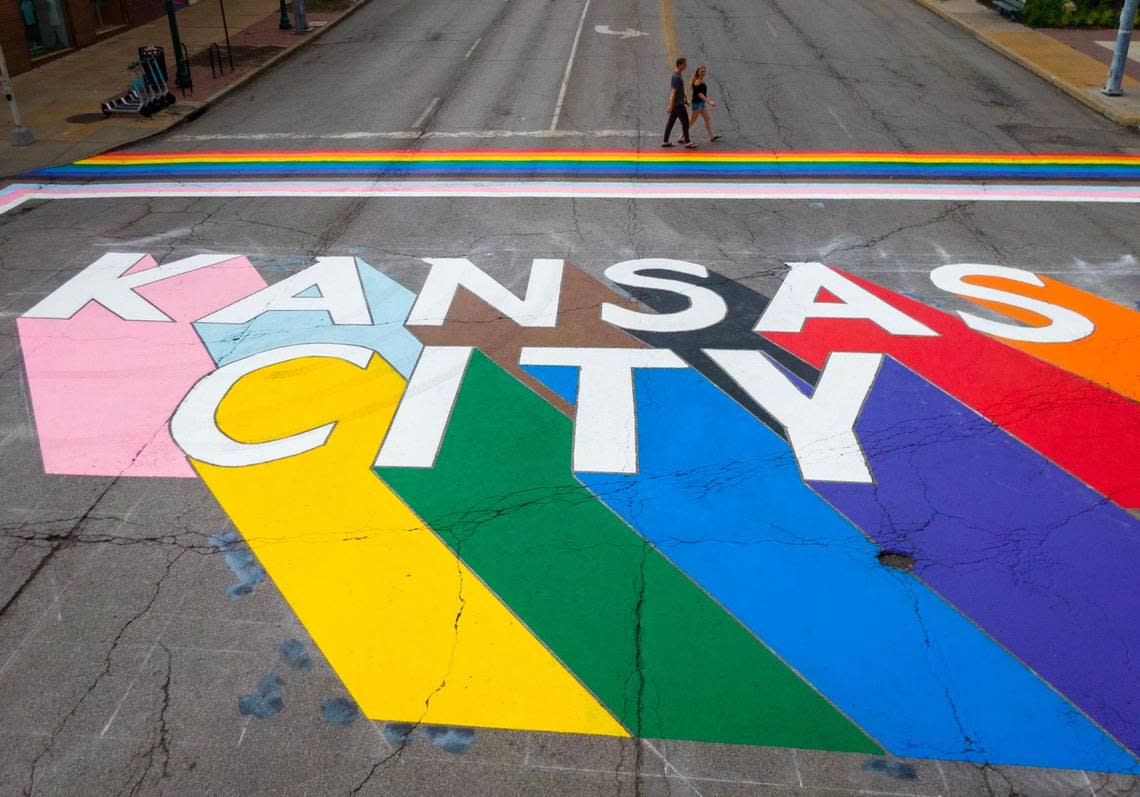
(1120, 54)
(182, 66)
(21, 136)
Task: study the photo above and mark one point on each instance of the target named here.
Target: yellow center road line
(669, 31)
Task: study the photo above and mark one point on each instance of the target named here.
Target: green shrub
(1087, 14)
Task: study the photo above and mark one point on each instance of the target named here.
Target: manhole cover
(85, 118)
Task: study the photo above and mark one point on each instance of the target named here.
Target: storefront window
(44, 26)
(108, 14)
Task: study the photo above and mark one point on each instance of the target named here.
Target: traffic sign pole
(1120, 54)
(21, 136)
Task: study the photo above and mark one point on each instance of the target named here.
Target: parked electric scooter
(165, 95)
(148, 92)
(131, 102)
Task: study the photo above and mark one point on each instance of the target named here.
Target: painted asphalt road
(248, 622)
(213, 616)
(790, 74)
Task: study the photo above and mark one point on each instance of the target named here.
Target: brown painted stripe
(472, 322)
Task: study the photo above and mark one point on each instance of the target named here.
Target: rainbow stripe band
(612, 164)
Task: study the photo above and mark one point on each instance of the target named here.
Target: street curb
(214, 98)
(281, 56)
(1086, 97)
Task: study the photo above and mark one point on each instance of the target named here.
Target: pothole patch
(896, 560)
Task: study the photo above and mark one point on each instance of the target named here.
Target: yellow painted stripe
(597, 157)
(411, 631)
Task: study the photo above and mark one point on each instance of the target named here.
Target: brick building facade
(35, 31)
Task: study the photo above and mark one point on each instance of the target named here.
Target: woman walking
(700, 99)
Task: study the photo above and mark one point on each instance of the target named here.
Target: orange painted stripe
(1110, 356)
(605, 155)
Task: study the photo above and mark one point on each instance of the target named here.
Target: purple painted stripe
(1042, 563)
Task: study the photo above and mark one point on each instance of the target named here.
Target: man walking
(677, 109)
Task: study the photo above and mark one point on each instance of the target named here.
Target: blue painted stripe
(557, 168)
(720, 495)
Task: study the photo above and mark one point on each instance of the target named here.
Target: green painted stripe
(503, 497)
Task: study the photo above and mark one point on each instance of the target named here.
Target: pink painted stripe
(103, 389)
(624, 190)
(13, 196)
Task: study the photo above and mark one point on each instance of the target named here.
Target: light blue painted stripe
(721, 496)
(388, 301)
(818, 170)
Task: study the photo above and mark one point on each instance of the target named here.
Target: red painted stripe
(1082, 427)
(789, 155)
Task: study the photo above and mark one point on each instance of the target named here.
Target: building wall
(12, 37)
(81, 24)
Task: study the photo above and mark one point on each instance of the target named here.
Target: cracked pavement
(125, 647)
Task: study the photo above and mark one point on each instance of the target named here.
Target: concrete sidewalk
(60, 101)
(1067, 68)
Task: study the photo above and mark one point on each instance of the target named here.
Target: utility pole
(1120, 54)
(182, 66)
(21, 136)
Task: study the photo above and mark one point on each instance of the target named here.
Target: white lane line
(839, 121)
(427, 112)
(409, 134)
(569, 66)
(15, 195)
(473, 46)
(769, 24)
(669, 766)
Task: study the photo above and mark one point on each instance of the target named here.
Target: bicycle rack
(216, 52)
(186, 56)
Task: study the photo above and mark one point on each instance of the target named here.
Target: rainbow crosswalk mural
(653, 164)
(579, 512)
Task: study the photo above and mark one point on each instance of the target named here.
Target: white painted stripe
(409, 134)
(473, 46)
(17, 194)
(569, 66)
(427, 112)
(416, 432)
(1111, 45)
(605, 418)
